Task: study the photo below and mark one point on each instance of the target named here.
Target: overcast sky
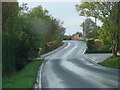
(65, 11)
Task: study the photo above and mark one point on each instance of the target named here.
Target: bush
(8, 54)
(90, 44)
(99, 45)
(13, 54)
(48, 48)
(97, 40)
(27, 33)
(66, 37)
(96, 46)
(98, 51)
(21, 54)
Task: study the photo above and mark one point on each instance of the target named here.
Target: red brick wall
(75, 37)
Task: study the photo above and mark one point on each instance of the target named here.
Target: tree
(39, 12)
(9, 12)
(89, 29)
(108, 13)
(100, 10)
(111, 28)
(24, 32)
(60, 30)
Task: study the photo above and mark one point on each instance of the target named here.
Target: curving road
(69, 68)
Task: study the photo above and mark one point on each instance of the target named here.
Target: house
(76, 36)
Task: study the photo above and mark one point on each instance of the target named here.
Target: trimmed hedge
(95, 46)
(11, 62)
(15, 54)
(8, 54)
(98, 51)
(90, 44)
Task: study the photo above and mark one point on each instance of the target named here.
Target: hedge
(98, 51)
(8, 54)
(90, 44)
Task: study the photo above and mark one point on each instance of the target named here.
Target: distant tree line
(67, 37)
(24, 31)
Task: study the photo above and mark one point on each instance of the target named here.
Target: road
(69, 68)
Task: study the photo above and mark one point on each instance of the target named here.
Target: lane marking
(67, 45)
(68, 53)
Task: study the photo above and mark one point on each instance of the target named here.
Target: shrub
(13, 54)
(66, 37)
(98, 44)
(91, 39)
(98, 51)
(21, 54)
(49, 47)
(97, 40)
(8, 54)
(90, 43)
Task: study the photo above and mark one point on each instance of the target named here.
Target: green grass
(26, 78)
(111, 62)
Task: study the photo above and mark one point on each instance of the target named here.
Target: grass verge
(26, 78)
(111, 62)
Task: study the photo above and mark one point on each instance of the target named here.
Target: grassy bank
(111, 62)
(26, 78)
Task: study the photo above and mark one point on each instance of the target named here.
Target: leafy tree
(9, 12)
(89, 29)
(39, 13)
(100, 10)
(25, 31)
(60, 30)
(108, 13)
(111, 28)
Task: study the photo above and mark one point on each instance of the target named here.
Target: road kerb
(91, 60)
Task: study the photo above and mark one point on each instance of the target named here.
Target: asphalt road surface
(69, 68)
